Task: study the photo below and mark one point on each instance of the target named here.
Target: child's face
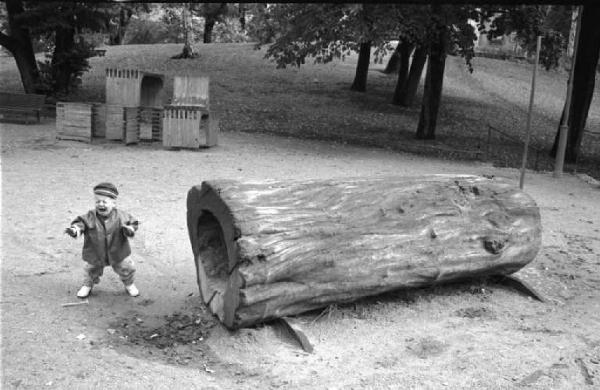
(104, 204)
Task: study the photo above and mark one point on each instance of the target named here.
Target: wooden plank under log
(271, 249)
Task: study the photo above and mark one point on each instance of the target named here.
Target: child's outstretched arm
(77, 227)
(130, 226)
(73, 231)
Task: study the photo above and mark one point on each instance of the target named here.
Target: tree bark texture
(408, 93)
(19, 44)
(362, 67)
(265, 250)
(403, 71)
(209, 24)
(588, 52)
(432, 93)
(188, 35)
(393, 64)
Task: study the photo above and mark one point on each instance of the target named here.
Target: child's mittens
(129, 231)
(72, 231)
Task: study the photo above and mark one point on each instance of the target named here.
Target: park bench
(21, 106)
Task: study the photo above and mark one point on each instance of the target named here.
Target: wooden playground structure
(134, 112)
(187, 120)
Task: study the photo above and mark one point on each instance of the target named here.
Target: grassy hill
(249, 94)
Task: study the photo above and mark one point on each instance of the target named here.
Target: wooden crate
(98, 120)
(151, 123)
(74, 121)
(122, 124)
(114, 122)
(188, 127)
(131, 129)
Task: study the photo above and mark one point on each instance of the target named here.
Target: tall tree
(406, 90)
(416, 31)
(64, 22)
(213, 13)
(328, 31)
(587, 56)
(449, 28)
(552, 22)
(242, 15)
(393, 64)
(188, 32)
(61, 25)
(118, 25)
(118, 20)
(16, 38)
(529, 22)
(404, 51)
(438, 47)
(364, 53)
(413, 36)
(362, 67)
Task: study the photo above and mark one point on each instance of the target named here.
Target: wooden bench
(21, 106)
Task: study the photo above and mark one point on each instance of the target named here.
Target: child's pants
(125, 269)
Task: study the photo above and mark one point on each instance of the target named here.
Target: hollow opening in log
(212, 261)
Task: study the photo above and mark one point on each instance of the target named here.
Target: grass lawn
(249, 94)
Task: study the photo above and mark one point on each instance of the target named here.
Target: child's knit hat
(106, 189)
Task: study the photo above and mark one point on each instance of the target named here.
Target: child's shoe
(132, 290)
(84, 291)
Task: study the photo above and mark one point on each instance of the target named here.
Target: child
(106, 231)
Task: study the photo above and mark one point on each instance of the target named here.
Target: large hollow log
(265, 250)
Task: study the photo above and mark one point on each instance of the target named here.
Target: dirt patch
(176, 339)
(476, 312)
(426, 347)
(178, 329)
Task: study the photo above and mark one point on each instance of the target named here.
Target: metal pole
(489, 139)
(564, 127)
(529, 114)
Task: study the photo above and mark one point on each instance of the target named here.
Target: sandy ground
(474, 335)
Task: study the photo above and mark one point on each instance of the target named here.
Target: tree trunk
(64, 44)
(403, 70)
(362, 67)
(242, 11)
(588, 53)
(408, 93)
(188, 35)
(432, 93)
(393, 64)
(19, 45)
(272, 249)
(30, 76)
(116, 35)
(208, 29)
